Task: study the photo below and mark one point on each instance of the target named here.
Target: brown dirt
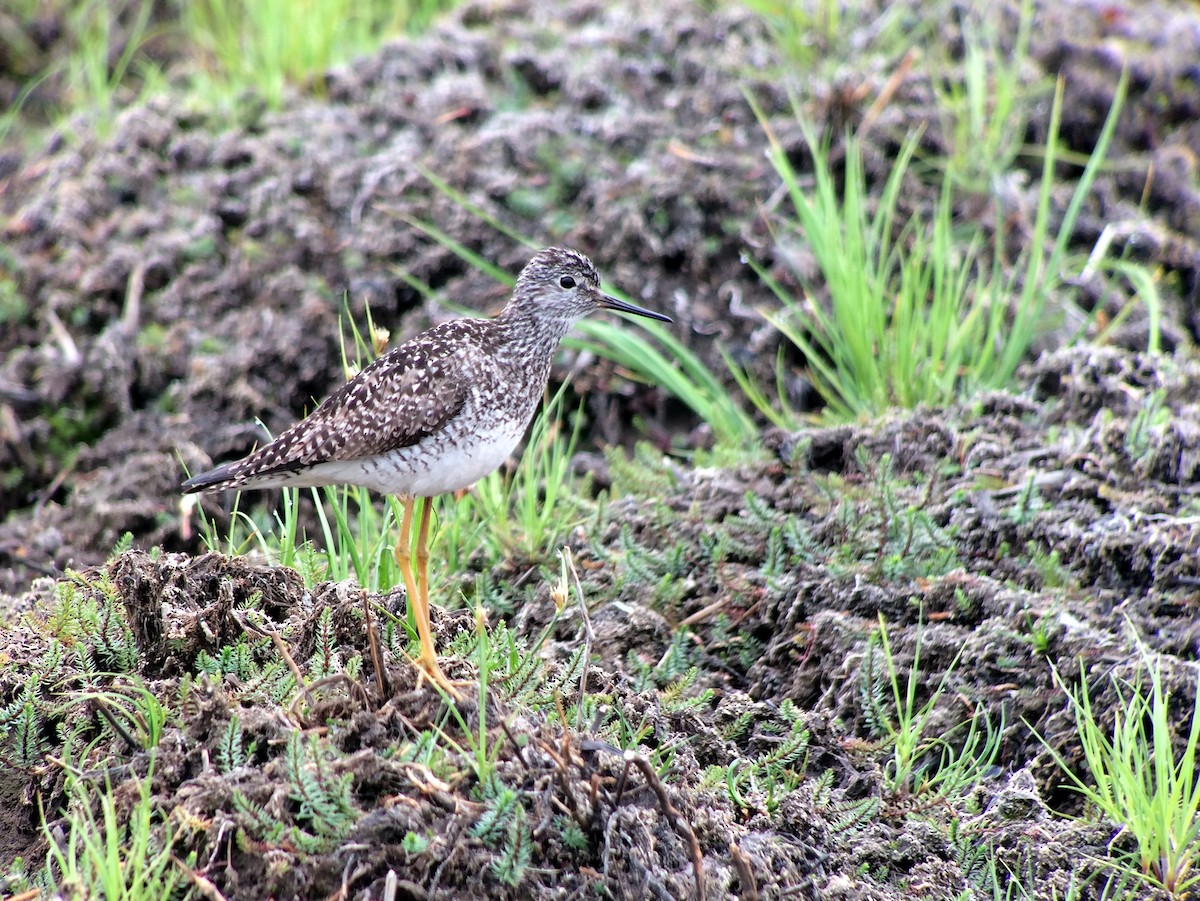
(183, 277)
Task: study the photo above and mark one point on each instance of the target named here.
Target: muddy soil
(171, 283)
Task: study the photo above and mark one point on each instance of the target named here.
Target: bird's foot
(428, 668)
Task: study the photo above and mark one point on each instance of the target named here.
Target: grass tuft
(920, 310)
(942, 766)
(1142, 776)
(119, 855)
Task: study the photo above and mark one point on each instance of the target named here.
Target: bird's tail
(224, 476)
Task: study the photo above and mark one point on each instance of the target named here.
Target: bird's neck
(525, 337)
(525, 348)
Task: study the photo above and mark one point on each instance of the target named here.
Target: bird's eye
(566, 282)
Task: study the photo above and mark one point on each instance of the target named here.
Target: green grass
(116, 854)
(129, 708)
(1141, 775)
(100, 64)
(948, 765)
(669, 364)
(985, 101)
(94, 81)
(816, 35)
(216, 52)
(920, 310)
(269, 45)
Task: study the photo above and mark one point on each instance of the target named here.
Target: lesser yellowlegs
(435, 414)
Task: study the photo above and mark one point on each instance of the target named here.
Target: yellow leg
(403, 552)
(418, 589)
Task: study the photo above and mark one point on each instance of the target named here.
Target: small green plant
(116, 854)
(233, 752)
(232, 51)
(731, 642)
(1143, 287)
(988, 876)
(261, 674)
(12, 307)
(1152, 417)
(1139, 777)
(674, 666)
(1029, 503)
(571, 833)
(887, 526)
(82, 697)
(639, 739)
(510, 670)
(504, 825)
(414, 844)
(664, 570)
(89, 615)
(23, 726)
(883, 342)
(357, 538)
(761, 783)
(482, 748)
(325, 805)
(647, 474)
(1049, 565)
(1039, 632)
(329, 657)
(920, 764)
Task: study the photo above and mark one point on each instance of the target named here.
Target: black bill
(611, 303)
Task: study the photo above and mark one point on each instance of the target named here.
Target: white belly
(426, 469)
(462, 466)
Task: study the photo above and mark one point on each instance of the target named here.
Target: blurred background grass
(61, 58)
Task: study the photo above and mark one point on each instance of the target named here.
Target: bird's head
(561, 285)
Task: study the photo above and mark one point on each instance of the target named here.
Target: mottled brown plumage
(438, 412)
(427, 416)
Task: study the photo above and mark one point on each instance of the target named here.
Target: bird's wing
(405, 395)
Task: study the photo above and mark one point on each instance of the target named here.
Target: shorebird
(435, 414)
